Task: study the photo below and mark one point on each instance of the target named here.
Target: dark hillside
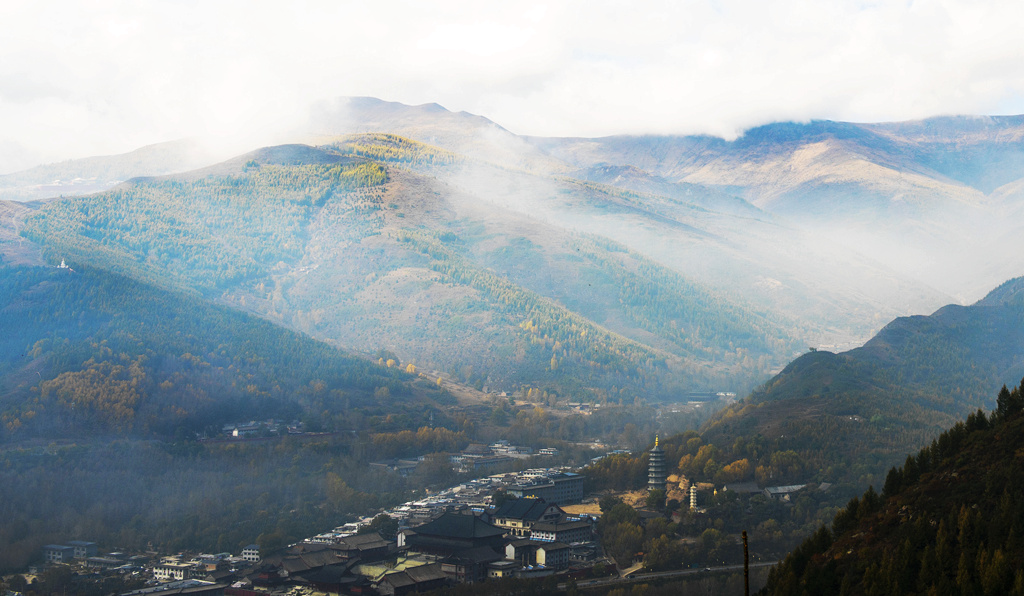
(86, 352)
(949, 521)
(358, 244)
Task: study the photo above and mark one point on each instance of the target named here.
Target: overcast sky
(100, 77)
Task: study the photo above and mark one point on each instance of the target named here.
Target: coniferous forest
(948, 521)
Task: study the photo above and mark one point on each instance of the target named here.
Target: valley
(403, 282)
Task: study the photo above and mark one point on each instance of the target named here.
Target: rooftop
(457, 525)
(528, 509)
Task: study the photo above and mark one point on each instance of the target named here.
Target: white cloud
(86, 78)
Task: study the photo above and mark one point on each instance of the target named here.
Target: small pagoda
(657, 478)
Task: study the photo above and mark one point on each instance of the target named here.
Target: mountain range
(394, 254)
(791, 235)
(611, 269)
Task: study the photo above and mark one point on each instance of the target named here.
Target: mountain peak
(290, 155)
(1009, 293)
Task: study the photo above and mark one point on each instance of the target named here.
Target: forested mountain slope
(89, 353)
(352, 244)
(824, 230)
(783, 263)
(948, 521)
(841, 268)
(845, 417)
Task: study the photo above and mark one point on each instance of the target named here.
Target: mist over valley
(800, 306)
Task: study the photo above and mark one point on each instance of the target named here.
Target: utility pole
(746, 566)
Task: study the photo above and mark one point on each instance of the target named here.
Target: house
(502, 568)
(743, 488)
(451, 533)
(782, 493)
(58, 553)
(251, 553)
(414, 579)
(470, 565)
(335, 579)
(480, 463)
(188, 587)
(84, 550)
(559, 488)
(299, 560)
(103, 562)
(553, 555)
(517, 516)
(565, 529)
(367, 547)
(166, 572)
(474, 450)
(245, 431)
(583, 552)
(531, 553)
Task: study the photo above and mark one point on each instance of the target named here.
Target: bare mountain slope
(923, 197)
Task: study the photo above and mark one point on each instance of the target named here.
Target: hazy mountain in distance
(93, 174)
(983, 152)
(701, 233)
(844, 226)
(373, 254)
(464, 133)
(635, 179)
(924, 197)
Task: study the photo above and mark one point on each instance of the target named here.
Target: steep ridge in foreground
(948, 521)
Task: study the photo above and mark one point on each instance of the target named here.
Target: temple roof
(456, 525)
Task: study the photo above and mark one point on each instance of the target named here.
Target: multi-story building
(58, 553)
(529, 553)
(251, 553)
(560, 488)
(174, 571)
(567, 530)
(517, 516)
(83, 549)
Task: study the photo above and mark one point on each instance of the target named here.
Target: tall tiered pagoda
(656, 475)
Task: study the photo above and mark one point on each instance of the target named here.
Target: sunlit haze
(83, 79)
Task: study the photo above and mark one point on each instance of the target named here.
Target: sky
(108, 76)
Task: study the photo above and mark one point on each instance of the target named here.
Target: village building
(58, 553)
(470, 565)
(187, 587)
(167, 571)
(413, 580)
(366, 547)
(251, 553)
(566, 529)
(782, 493)
(561, 488)
(450, 534)
(84, 550)
(517, 516)
(532, 553)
